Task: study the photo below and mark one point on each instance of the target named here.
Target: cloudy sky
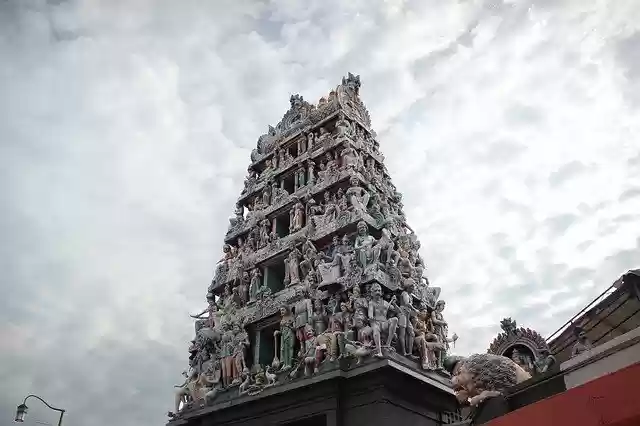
(511, 127)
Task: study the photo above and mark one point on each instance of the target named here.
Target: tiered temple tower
(319, 308)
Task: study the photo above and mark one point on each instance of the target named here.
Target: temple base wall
(379, 396)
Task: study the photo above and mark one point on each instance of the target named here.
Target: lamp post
(21, 411)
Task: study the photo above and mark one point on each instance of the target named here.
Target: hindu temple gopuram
(320, 307)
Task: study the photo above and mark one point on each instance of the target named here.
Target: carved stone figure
(343, 127)
(298, 217)
(243, 288)
(254, 285)
(211, 310)
(287, 338)
(358, 196)
(406, 312)
(349, 158)
(441, 329)
(366, 250)
(324, 138)
(378, 308)
(426, 341)
(303, 315)
(265, 227)
(310, 141)
(544, 362)
(582, 344)
(292, 267)
(241, 345)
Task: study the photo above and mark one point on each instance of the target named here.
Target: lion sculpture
(481, 376)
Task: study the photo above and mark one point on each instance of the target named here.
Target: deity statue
(227, 355)
(319, 317)
(254, 285)
(243, 288)
(211, 310)
(582, 344)
(311, 176)
(426, 341)
(303, 315)
(310, 141)
(343, 127)
(287, 338)
(300, 177)
(349, 158)
(241, 345)
(441, 329)
(522, 360)
(292, 267)
(324, 138)
(183, 393)
(330, 209)
(544, 362)
(265, 227)
(298, 217)
(406, 312)
(378, 309)
(314, 212)
(367, 253)
(266, 195)
(360, 316)
(358, 196)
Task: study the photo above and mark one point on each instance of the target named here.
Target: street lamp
(21, 411)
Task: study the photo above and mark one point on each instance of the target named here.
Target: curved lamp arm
(24, 406)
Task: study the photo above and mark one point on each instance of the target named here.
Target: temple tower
(320, 308)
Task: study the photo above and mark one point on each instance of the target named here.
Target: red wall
(612, 400)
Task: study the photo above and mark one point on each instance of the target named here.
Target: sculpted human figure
(582, 344)
(324, 138)
(183, 393)
(330, 209)
(426, 341)
(310, 141)
(311, 174)
(358, 196)
(386, 245)
(314, 212)
(301, 176)
(343, 127)
(254, 285)
(441, 329)
(406, 333)
(211, 310)
(522, 360)
(241, 344)
(298, 217)
(287, 338)
(360, 315)
(303, 315)
(227, 352)
(319, 317)
(266, 195)
(378, 309)
(349, 157)
(366, 250)
(265, 226)
(243, 288)
(545, 361)
(292, 267)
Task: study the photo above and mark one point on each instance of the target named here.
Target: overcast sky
(511, 127)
